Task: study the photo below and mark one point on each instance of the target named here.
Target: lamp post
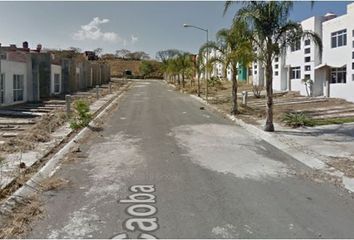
(207, 58)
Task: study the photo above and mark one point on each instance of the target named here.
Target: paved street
(185, 172)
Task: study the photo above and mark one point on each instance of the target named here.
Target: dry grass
(53, 183)
(39, 132)
(221, 97)
(343, 164)
(18, 222)
(19, 181)
(319, 176)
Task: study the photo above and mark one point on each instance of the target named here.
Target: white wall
(55, 69)
(297, 58)
(340, 56)
(10, 68)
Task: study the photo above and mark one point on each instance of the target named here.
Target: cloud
(92, 31)
(133, 39)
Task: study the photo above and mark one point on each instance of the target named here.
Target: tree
(108, 56)
(139, 55)
(166, 57)
(75, 49)
(198, 67)
(232, 48)
(122, 53)
(98, 51)
(150, 69)
(183, 62)
(271, 32)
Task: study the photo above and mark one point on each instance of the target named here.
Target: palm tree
(198, 67)
(165, 57)
(232, 47)
(183, 62)
(271, 32)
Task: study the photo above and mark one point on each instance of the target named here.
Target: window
(307, 50)
(255, 72)
(307, 76)
(352, 55)
(56, 83)
(339, 75)
(307, 42)
(339, 38)
(353, 33)
(353, 44)
(276, 73)
(255, 67)
(352, 77)
(307, 68)
(307, 59)
(295, 73)
(276, 59)
(18, 87)
(353, 65)
(276, 66)
(296, 46)
(2, 88)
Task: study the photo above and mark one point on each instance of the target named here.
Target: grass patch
(328, 121)
(297, 119)
(82, 115)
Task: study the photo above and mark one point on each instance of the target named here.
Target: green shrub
(297, 119)
(82, 115)
(214, 81)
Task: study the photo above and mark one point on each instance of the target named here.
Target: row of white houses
(333, 74)
(31, 75)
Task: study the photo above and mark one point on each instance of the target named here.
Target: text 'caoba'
(142, 212)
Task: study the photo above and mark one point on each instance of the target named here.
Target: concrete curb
(52, 164)
(308, 160)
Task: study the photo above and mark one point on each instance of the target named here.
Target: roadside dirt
(18, 223)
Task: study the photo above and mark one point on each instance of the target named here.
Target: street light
(207, 58)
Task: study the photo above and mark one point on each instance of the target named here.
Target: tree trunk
(269, 126)
(234, 109)
(178, 79)
(198, 79)
(183, 80)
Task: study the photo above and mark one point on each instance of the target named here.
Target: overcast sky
(146, 26)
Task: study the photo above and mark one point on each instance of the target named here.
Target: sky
(138, 26)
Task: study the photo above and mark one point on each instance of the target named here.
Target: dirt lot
(22, 126)
(326, 110)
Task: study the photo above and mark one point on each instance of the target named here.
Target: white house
(13, 78)
(301, 60)
(332, 75)
(337, 68)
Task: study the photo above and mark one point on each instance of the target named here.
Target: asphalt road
(186, 173)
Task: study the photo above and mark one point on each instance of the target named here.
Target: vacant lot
(322, 110)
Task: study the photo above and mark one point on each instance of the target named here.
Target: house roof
(324, 65)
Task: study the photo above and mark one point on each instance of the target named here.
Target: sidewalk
(10, 170)
(328, 150)
(332, 144)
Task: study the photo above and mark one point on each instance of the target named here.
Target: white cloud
(133, 39)
(92, 31)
